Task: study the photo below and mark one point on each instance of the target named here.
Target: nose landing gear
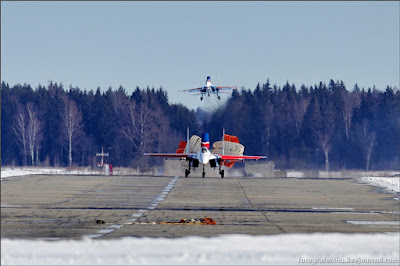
(221, 172)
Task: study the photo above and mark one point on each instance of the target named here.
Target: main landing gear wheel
(204, 174)
(187, 172)
(222, 173)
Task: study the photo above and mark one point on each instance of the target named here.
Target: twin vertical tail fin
(205, 142)
(223, 141)
(184, 145)
(181, 147)
(187, 141)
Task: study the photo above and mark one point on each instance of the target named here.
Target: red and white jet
(200, 155)
(209, 88)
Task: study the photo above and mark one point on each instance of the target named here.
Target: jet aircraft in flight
(210, 88)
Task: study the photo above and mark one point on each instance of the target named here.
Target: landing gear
(187, 172)
(222, 173)
(204, 173)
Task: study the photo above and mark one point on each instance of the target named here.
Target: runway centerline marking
(153, 204)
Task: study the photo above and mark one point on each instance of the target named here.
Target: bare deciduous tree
(369, 146)
(71, 121)
(325, 141)
(267, 124)
(351, 101)
(298, 111)
(34, 129)
(20, 128)
(162, 125)
(141, 127)
(368, 141)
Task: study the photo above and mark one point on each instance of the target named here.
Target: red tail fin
(231, 138)
(182, 146)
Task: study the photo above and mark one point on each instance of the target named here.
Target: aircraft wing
(195, 89)
(170, 155)
(226, 88)
(241, 157)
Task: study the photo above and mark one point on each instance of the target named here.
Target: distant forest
(318, 127)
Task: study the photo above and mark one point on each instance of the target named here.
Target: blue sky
(177, 44)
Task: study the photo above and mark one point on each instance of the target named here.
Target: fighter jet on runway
(225, 152)
(209, 88)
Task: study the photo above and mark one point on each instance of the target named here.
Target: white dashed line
(160, 197)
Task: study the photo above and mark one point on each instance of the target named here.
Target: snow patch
(287, 249)
(397, 223)
(295, 174)
(391, 184)
(10, 172)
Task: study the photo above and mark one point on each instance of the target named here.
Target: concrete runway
(67, 207)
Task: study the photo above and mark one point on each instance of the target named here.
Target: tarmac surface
(101, 207)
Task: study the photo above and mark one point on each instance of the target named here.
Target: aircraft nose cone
(203, 159)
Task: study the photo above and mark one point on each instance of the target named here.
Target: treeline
(53, 126)
(318, 127)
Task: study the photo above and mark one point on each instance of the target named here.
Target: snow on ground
(19, 171)
(375, 222)
(295, 174)
(389, 183)
(287, 249)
